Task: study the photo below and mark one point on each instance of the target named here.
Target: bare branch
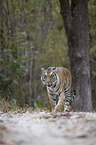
(92, 60)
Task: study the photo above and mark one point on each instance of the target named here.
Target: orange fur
(64, 76)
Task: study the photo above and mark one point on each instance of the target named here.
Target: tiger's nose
(48, 84)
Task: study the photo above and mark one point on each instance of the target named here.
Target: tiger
(58, 81)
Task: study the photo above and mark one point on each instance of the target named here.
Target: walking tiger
(58, 81)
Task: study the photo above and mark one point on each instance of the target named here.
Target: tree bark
(75, 17)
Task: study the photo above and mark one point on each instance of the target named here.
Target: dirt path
(47, 129)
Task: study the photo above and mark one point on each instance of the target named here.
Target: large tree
(75, 17)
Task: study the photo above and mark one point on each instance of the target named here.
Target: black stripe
(51, 94)
(60, 93)
(50, 90)
(57, 89)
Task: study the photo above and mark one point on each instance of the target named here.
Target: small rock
(1, 120)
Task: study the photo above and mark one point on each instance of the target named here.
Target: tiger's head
(49, 76)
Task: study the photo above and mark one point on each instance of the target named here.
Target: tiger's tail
(74, 95)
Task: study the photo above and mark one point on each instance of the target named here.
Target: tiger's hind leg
(67, 98)
(66, 104)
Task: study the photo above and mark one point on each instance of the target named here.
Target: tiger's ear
(42, 70)
(54, 68)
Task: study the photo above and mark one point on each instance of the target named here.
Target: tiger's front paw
(67, 110)
(57, 110)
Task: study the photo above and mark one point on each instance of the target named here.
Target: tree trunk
(75, 17)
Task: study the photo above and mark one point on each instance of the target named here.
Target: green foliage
(13, 68)
(92, 45)
(92, 26)
(92, 35)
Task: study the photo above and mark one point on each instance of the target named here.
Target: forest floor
(44, 128)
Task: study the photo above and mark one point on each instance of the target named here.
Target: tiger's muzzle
(49, 84)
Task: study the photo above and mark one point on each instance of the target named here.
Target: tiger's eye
(45, 76)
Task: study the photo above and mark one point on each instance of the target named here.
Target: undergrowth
(6, 106)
